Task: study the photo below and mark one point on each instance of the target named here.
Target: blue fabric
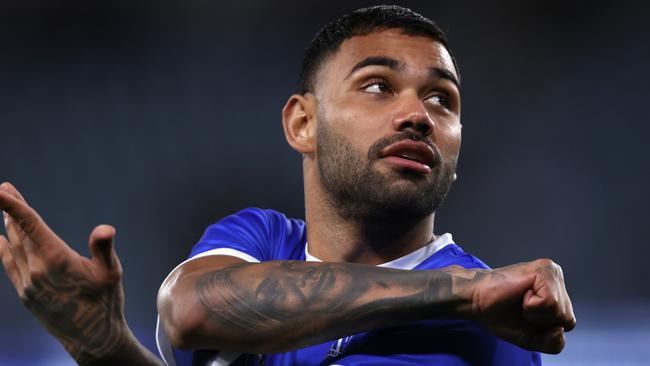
(269, 235)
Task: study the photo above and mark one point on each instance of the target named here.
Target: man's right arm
(222, 302)
(79, 300)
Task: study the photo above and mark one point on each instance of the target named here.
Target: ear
(298, 121)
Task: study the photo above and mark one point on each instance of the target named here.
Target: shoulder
(254, 219)
(254, 215)
(451, 254)
(264, 234)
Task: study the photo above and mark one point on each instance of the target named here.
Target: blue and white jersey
(257, 235)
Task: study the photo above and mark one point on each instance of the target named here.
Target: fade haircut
(359, 23)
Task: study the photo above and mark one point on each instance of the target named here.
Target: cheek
(448, 139)
(359, 130)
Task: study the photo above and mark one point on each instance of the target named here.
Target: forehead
(417, 52)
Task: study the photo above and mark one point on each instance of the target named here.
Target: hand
(79, 300)
(526, 304)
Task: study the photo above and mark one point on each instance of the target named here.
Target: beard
(359, 191)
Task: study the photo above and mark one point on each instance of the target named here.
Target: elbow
(187, 326)
(177, 333)
(179, 316)
(190, 323)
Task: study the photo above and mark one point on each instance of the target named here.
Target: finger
(544, 309)
(15, 247)
(27, 221)
(12, 190)
(9, 188)
(534, 338)
(570, 322)
(529, 336)
(552, 303)
(15, 207)
(10, 265)
(550, 340)
(570, 318)
(102, 249)
(12, 230)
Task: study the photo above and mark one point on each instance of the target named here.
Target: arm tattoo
(295, 299)
(79, 314)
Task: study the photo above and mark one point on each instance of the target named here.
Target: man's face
(388, 126)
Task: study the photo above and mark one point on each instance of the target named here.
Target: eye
(440, 100)
(377, 87)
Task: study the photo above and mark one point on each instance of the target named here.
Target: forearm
(283, 305)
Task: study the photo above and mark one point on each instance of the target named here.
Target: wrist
(127, 350)
(464, 288)
(94, 353)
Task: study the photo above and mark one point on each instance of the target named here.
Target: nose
(411, 113)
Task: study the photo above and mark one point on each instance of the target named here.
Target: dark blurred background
(162, 117)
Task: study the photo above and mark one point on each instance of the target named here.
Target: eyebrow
(395, 65)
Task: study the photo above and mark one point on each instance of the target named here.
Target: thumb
(101, 246)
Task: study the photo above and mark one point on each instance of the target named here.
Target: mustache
(375, 150)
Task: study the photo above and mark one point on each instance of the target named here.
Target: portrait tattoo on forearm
(294, 297)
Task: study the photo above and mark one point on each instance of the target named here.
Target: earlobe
(298, 122)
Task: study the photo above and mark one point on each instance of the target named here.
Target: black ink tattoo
(79, 314)
(294, 300)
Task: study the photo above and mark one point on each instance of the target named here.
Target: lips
(414, 155)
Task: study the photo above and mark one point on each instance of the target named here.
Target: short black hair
(363, 22)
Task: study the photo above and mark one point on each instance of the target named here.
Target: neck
(334, 238)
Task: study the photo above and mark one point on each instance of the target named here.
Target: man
(363, 280)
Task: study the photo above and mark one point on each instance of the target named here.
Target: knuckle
(55, 261)
(544, 262)
(10, 266)
(570, 322)
(5, 256)
(37, 289)
(33, 297)
(30, 294)
(550, 304)
(24, 299)
(37, 276)
(113, 278)
(28, 224)
(557, 270)
(567, 324)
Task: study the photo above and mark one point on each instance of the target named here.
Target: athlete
(363, 280)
